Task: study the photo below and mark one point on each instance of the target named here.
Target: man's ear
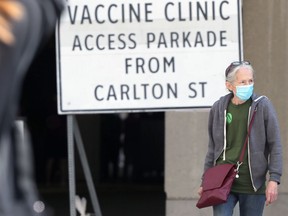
(229, 86)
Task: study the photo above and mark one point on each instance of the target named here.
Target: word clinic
(143, 12)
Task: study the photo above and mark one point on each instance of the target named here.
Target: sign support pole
(87, 173)
(71, 165)
(74, 132)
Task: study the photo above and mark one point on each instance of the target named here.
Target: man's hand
(271, 192)
(200, 191)
(10, 10)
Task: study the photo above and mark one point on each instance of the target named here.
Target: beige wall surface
(265, 42)
(265, 33)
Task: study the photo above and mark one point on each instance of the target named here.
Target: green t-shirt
(236, 131)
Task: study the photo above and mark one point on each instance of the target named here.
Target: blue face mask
(244, 92)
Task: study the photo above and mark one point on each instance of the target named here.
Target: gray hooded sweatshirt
(264, 145)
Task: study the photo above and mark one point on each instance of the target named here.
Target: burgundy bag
(217, 180)
(216, 185)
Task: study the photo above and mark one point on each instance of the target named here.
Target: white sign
(145, 55)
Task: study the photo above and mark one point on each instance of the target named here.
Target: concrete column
(265, 27)
(265, 37)
(185, 149)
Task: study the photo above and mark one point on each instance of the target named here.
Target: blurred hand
(10, 10)
(200, 191)
(271, 192)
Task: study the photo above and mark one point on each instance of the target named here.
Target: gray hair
(231, 76)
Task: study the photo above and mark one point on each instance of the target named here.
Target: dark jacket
(18, 192)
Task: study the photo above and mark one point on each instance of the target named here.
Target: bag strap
(240, 161)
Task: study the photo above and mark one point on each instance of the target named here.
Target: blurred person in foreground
(24, 26)
(228, 125)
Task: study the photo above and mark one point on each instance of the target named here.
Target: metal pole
(71, 165)
(86, 169)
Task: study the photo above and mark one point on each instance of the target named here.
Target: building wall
(265, 31)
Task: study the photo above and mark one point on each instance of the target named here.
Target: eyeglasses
(235, 64)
